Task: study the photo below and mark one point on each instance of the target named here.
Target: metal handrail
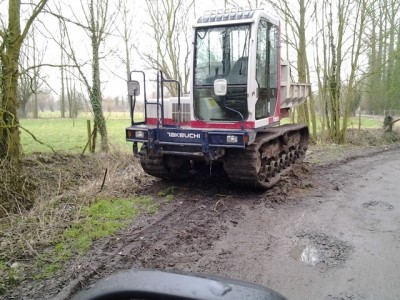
(160, 79)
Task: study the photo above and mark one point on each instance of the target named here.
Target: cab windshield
(221, 52)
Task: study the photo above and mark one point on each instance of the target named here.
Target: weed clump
(17, 190)
(371, 137)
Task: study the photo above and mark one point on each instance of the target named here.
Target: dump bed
(292, 94)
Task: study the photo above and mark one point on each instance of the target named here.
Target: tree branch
(65, 19)
(35, 138)
(45, 65)
(39, 7)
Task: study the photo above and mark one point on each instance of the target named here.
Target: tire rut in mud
(179, 233)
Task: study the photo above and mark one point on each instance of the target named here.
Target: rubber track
(244, 166)
(155, 166)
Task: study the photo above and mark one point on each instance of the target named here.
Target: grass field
(70, 135)
(366, 123)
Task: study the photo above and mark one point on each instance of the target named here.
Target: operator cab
(236, 63)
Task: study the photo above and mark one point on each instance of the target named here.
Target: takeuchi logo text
(184, 135)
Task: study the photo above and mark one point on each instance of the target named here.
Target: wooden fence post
(89, 132)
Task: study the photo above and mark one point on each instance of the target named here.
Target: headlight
(232, 139)
(139, 134)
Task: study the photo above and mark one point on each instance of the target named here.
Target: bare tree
(126, 33)
(36, 82)
(169, 25)
(62, 30)
(297, 16)
(383, 91)
(73, 96)
(11, 39)
(360, 20)
(342, 28)
(30, 81)
(25, 89)
(97, 23)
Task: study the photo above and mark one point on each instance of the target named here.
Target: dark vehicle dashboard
(157, 284)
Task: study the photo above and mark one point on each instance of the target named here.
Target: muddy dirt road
(324, 232)
(340, 242)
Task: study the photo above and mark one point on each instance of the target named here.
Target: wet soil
(329, 230)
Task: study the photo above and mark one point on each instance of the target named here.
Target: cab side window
(266, 69)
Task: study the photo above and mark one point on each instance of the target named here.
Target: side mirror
(220, 87)
(133, 88)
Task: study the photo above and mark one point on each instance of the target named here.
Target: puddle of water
(309, 256)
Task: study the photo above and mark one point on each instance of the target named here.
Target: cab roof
(233, 16)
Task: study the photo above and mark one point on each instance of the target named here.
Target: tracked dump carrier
(240, 90)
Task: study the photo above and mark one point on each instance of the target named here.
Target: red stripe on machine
(202, 124)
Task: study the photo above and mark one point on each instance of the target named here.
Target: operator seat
(234, 103)
(238, 73)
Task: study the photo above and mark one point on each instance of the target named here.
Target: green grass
(167, 194)
(83, 115)
(365, 123)
(99, 220)
(352, 123)
(9, 277)
(69, 135)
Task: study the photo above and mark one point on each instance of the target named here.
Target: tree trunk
(35, 80)
(9, 132)
(22, 109)
(62, 99)
(35, 106)
(95, 97)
